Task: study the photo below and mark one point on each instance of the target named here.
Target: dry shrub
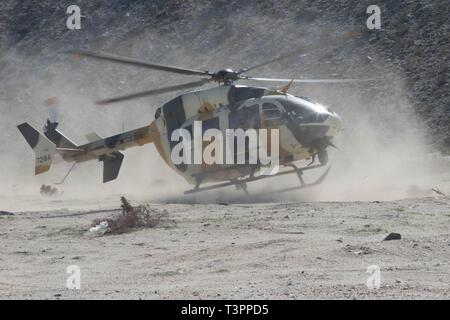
(132, 218)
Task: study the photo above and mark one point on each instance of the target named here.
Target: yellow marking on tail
(41, 169)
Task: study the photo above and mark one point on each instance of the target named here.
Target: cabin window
(175, 117)
(174, 114)
(272, 114)
(244, 118)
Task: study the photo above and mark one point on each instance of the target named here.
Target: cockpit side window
(302, 111)
(295, 110)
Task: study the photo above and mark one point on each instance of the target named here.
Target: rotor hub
(227, 76)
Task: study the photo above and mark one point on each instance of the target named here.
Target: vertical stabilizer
(43, 148)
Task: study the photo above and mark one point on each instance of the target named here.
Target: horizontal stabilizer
(111, 165)
(69, 151)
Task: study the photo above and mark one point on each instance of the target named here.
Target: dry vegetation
(133, 218)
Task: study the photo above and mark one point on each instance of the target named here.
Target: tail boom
(105, 150)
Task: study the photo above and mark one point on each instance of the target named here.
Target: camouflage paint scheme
(305, 127)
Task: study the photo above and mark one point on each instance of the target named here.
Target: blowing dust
(382, 154)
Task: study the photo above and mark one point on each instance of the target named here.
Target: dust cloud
(382, 153)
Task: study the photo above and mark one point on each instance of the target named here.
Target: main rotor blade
(330, 41)
(307, 80)
(135, 62)
(153, 92)
(282, 57)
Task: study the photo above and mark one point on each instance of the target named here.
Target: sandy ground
(232, 251)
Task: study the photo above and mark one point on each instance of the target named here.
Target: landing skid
(241, 184)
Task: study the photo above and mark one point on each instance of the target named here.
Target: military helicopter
(306, 128)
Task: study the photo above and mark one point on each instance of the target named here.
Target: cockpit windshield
(305, 110)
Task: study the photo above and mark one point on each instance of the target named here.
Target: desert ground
(295, 250)
(317, 244)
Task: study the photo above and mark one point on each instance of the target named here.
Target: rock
(393, 236)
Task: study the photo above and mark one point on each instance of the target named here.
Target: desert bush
(131, 217)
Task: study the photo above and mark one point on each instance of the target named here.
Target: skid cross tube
(67, 174)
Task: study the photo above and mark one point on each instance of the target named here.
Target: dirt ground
(312, 250)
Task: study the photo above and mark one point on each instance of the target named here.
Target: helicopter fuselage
(306, 128)
(303, 128)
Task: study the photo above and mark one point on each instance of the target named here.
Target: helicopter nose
(318, 131)
(334, 123)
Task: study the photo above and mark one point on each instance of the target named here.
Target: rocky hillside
(413, 41)
(408, 57)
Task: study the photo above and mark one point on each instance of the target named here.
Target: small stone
(393, 236)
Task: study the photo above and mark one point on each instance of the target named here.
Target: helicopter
(305, 128)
